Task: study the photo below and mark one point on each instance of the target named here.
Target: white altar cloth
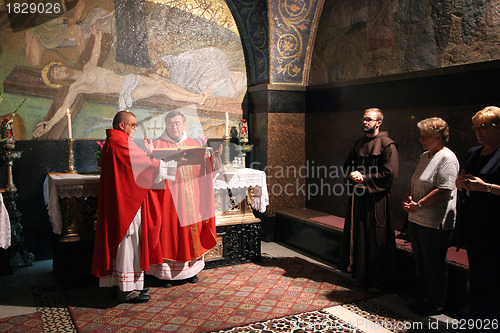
(4, 225)
(66, 185)
(244, 178)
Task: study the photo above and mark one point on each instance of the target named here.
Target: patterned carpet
(362, 316)
(51, 303)
(25, 323)
(288, 295)
(52, 314)
(276, 295)
(225, 297)
(315, 322)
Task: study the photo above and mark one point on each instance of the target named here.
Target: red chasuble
(188, 220)
(126, 178)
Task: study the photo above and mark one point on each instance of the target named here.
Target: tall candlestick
(70, 133)
(227, 124)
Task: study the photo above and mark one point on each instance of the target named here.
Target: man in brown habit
(368, 242)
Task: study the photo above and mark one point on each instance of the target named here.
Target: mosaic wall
(362, 39)
(101, 56)
(251, 18)
(293, 26)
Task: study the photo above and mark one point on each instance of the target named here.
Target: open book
(191, 154)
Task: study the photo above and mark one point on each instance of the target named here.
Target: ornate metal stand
(71, 157)
(19, 255)
(245, 148)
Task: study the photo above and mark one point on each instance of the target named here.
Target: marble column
(277, 129)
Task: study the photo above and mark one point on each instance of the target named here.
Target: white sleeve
(167, 171)
(447, 173)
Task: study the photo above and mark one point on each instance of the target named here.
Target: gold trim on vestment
(187, 189)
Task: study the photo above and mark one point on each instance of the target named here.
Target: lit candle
(227, 124)
(68, 115)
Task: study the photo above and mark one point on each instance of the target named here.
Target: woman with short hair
(479, 219)
(431, 207)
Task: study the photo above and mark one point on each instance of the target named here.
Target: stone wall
(333, 124)
(362, 39)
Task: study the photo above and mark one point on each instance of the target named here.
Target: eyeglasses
(483, 126)
(368, 120)
(175, 124)
(133, 125)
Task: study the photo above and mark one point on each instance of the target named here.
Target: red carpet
(24, 323)
(330, 220)
(225, 297)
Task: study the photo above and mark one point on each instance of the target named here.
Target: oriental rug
(52, 314)
(224, 298)
(360, 317)
(31, 322)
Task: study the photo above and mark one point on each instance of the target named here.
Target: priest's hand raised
(148, 146)
(219, 151)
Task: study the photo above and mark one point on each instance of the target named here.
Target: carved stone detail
(241, 244)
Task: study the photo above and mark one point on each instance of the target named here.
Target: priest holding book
(188, 211)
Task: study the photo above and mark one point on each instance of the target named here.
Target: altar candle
(227, 124)
(68, 115)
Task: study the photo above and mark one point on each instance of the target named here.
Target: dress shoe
(134, 296)
(141, 298)
(145, 290)
(193, 279)
(167, 284)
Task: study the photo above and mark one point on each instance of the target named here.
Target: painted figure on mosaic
(169, 34)
(131, 34)
(197, 70)
(53, 34)
(96, 79)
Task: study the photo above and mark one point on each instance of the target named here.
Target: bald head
(121, 116)
(125, 121)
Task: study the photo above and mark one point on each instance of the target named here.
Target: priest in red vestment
(188, 211)
(128, 214)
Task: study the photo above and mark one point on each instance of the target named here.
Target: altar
(238, 192)
(71, 201)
